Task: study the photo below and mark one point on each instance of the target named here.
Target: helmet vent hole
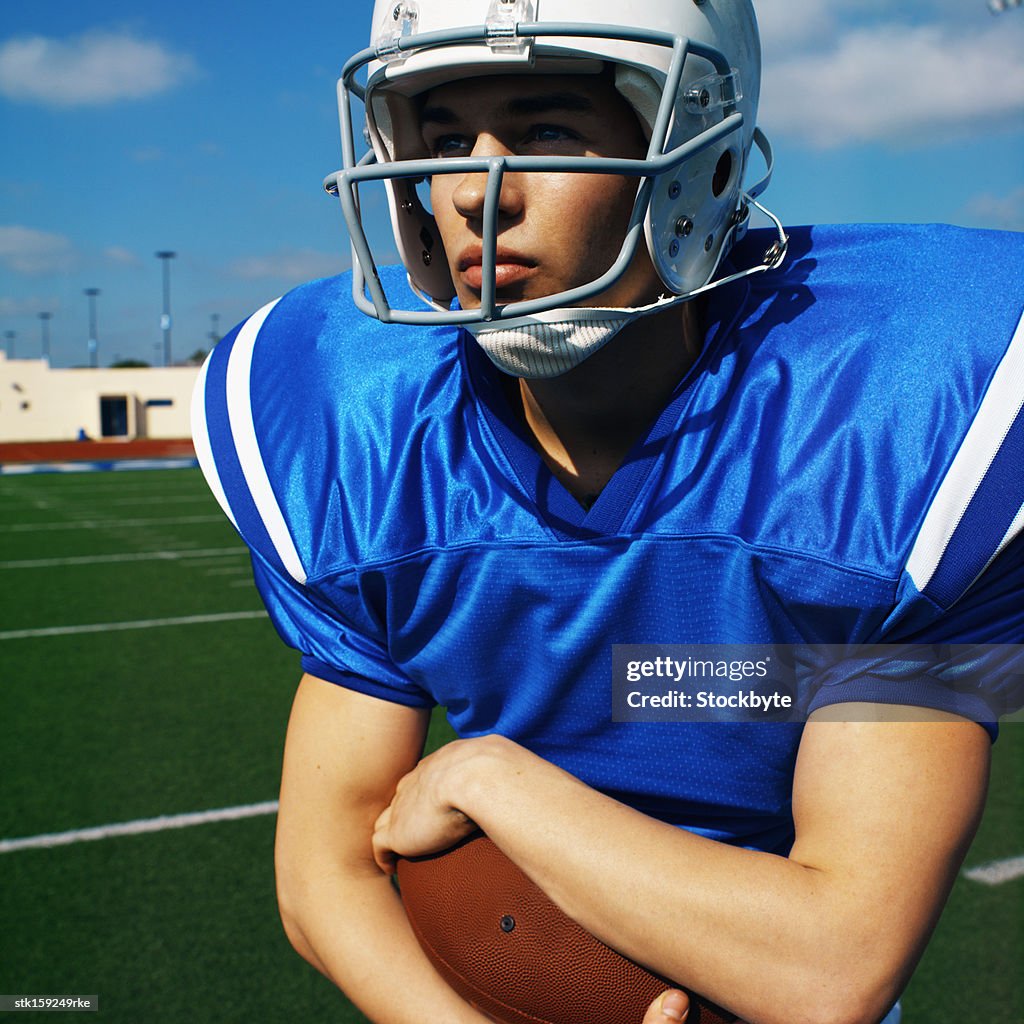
(723, 172)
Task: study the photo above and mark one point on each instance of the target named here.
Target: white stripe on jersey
(201, 440)
(243, 431)
(999, 408)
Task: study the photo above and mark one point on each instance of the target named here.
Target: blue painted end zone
(20, 468)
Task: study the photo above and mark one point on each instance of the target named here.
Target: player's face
(555, 231)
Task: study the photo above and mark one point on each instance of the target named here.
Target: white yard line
(997, 872)
(134, 556)
(108, 627)
(191, 499)
(139, 827)
(111, 524)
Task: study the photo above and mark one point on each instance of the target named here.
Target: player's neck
(585, 422)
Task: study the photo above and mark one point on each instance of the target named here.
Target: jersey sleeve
(968, 661)
(331, 644)
(336, 636)
(974, 651)
(977, 510)
(961, 596)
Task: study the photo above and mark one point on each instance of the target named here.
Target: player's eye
(450, 145)
(551, 136)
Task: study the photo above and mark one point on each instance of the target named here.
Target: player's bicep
(887, 809)
(344, 754)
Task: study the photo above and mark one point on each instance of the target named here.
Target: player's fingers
(670, 1005)
(384, 856)
(382, 852)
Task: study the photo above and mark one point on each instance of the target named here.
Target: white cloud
(88, 70)
(31, 305)
(29, 251)
(121, 256)
(898, 83)
(290, 264)
(791, 24)
(992, 211)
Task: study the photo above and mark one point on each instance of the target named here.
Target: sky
(206, 128)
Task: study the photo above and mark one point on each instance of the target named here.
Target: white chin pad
(552, 343)
(543, 350)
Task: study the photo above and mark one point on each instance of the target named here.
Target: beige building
(38, 403)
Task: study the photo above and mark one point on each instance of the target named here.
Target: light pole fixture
(44, 323)
(165, 256)
(93, 340)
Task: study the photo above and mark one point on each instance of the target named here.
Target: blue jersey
(842, 464)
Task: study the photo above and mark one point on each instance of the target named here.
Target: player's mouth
(510, 268)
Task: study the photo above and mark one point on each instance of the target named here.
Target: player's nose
(470, 194)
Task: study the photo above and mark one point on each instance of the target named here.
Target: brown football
(508, 950)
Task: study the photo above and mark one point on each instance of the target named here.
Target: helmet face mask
(690, 71)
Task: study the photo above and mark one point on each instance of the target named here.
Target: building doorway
(113, 416)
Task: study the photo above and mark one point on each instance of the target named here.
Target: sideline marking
(135, 828)
(23, 468)
(997, 872)
(105, 627)
(136, 556)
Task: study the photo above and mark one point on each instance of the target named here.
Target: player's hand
(421, 818)
(670, 1005)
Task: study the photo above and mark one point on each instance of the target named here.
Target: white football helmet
(689, 68)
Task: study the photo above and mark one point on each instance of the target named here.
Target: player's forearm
(771, 938)
(354, 930)
(343, 756)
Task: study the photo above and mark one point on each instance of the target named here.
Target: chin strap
(773, 258)
(552, 342)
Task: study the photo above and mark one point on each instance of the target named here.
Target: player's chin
(470, 298)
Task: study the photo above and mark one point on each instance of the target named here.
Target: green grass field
(163, 718)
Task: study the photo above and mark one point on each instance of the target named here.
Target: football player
(593, 408)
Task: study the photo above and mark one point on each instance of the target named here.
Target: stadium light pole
(44, 323)
(165, 256)
(94, 343)
(10, 336)
(214, 328)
